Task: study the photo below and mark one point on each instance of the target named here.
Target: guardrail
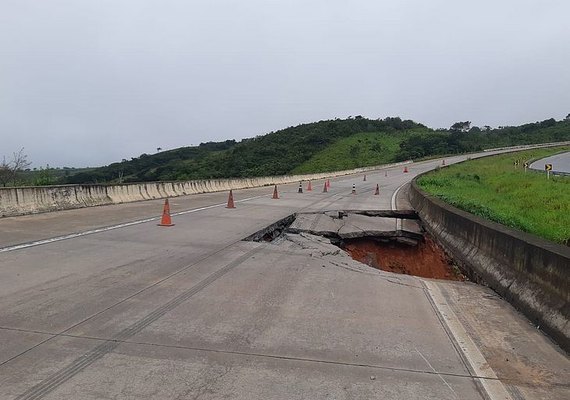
(529, 146)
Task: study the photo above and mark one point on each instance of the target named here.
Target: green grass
(359, 150)
(494, 189)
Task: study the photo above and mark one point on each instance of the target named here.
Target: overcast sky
(89, 82)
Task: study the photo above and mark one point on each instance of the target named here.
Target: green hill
(320, 146)
(276, 153)
(359, 150)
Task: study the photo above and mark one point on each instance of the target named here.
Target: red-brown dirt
(426, 260)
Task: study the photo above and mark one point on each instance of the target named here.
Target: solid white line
(112, 227)
(394, 207)
(481, 368)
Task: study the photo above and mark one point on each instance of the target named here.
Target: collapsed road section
(392, 241)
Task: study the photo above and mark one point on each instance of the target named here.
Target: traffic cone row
(166, 219)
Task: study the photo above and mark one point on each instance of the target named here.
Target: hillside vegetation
(359, 150)
(318, 147)
(493, 188)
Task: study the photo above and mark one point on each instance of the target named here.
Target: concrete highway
(101, 303)
(560, 163)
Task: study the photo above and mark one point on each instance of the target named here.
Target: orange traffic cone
(377, 192)
(309, 187)
(165, 220)
(443, 162)
(405, 170)
(364, 178)
(231, 200)
(275, 194)
(325, 189)
(328, 184)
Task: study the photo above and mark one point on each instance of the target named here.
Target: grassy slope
(359, 150)
(494, 189)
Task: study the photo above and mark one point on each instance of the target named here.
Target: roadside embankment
(30, 200)
(530, 272)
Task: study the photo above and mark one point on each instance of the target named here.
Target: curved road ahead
(560, 163)
(93, 308)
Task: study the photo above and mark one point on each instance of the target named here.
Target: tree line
(463, 138)
(282, 151)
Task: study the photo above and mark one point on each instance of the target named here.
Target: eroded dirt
(426, 260)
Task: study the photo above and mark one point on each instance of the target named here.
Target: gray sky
(88, 82)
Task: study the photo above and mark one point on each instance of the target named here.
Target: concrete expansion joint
(276, 356)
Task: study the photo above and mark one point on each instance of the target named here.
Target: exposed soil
(426, 260)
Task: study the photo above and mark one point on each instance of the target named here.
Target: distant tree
(10, 170)
(44, 177)
(19, 163)
(547, 123)
(460, 126)
(5, 172)
(158, 149)
(567, 118)
(486, 128)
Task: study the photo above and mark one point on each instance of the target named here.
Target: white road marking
(485, 374)
(394, 206)
(112, 227)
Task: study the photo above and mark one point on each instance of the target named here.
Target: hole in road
(425, 259)
(374, 238)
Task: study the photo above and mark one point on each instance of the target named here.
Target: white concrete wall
(30, 200)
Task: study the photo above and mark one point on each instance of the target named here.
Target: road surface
(560, 163)
(101, 303)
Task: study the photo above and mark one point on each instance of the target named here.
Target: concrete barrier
(529, 146)
(38, 199)
(533, 274)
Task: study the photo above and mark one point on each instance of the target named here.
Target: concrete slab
(160, 372)
(348, 225)
(412, 226)
(283, 304)
(358, 225)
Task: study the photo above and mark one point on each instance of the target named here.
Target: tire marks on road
(79, 364)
